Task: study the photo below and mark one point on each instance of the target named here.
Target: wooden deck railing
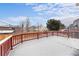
(13, 40)
(7, 44)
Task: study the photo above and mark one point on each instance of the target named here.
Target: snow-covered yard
(47, 46)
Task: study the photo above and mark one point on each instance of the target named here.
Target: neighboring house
(4, 30)
(75, 25)
(17, 29)
(75, 28)
(71, 26)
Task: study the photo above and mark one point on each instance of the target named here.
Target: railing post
(47, 34)
(21, 38)
(11, 44)
(57, 33)
(1, 50)
(52, 33)
(68, 34)
(37, 35)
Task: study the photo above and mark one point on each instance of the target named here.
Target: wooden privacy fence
(7, 44)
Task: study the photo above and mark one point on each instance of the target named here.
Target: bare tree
(22, 26)
(25, 25)
(39, 26)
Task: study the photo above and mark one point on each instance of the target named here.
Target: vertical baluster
(11, 43)
(1, 51)
(37, 35)
(21, 38)
(47, 34)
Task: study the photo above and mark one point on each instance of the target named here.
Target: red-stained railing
(7, 44)
(10, 42)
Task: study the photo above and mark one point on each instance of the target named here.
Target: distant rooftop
(4, 29)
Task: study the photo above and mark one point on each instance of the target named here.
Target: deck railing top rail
(7, 38)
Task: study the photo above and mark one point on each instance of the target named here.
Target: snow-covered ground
(47, 46)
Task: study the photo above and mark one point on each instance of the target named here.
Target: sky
(38, 13)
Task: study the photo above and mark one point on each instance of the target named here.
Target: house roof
(5, 28)
(76, 20)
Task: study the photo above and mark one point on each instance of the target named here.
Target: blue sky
(38, 12)
(11, 10)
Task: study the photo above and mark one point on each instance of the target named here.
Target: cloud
(55, 9)
(34, 20)
(15, 20)
(69, 20)
(40, 7)
(66, 20)
(66, 12)
(31, 4)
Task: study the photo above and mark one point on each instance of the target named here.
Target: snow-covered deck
(47, 46)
